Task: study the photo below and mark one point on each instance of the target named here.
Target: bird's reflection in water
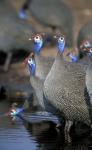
(43, 133)
(49, 138)
(46, 135)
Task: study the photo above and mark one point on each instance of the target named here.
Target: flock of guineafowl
(63, 85)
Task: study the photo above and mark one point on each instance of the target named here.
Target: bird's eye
(86, 44)
(91, 50)
(37, 38)
(61, 39)
(30, 61)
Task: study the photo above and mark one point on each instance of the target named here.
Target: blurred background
(19, 20)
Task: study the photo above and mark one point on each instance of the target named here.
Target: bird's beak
(30, 39)
(55, 37)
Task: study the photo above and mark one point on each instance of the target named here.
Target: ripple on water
(16, 137)
(37, 134)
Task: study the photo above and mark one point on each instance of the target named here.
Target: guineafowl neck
(35, 82)
(39, 66)
(59, 56)
(38, 59)
(37, 85)
(56, 68)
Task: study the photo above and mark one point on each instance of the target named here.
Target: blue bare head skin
(73, 58)
(38, 43)
(17, 111)
(61, 44)
(90, 53)
(37, 47)
(32, 66)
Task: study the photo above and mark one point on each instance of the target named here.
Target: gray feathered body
(89, 81)
(43, 65)
(37, 85)
(14, 33)
(64, 88)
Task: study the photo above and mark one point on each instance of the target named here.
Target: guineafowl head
(60, 42)
(38, 41)
(30, 61)
(86, 48)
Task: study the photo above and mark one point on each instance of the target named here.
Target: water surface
(35, 134)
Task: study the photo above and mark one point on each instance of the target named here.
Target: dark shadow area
(3, 56)
(19, 55)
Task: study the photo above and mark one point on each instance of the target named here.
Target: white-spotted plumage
(65, 88)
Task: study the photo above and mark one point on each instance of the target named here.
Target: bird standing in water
(41, 66)
(65, 89)
(36, 78)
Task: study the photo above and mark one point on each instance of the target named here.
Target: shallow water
(35, 134)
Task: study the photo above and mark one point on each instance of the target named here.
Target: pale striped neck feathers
(38, 42)
(86, 47)
(60, 43)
